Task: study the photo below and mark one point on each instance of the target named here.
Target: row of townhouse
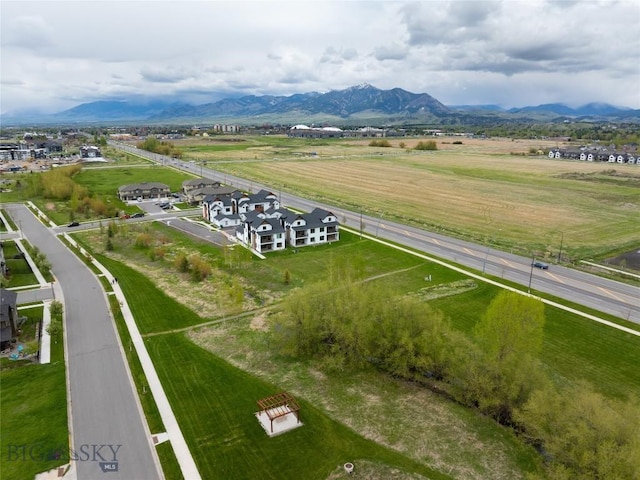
(596, 156)
(262, 224)
(25, 151)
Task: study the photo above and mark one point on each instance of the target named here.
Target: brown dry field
(478, 190)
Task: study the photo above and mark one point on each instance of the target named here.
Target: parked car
(541, 265)
(137, 215)
(73, 224)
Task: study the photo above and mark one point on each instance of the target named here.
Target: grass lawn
(215, 405)
(34, 415)
(33, 411)
(105, 181)
(20, 273)
(574, 347)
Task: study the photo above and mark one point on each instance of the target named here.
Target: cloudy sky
(57, 54)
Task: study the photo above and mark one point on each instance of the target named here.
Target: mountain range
(355, 105)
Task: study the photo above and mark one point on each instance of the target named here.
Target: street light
(533, 260)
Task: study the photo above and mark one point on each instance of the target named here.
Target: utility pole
(561, 242)
(486, 257)
(533, 260)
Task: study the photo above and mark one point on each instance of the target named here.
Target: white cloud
(512, 53)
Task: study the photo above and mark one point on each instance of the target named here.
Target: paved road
(107, 423)
(615, 298)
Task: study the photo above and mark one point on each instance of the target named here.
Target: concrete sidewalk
(180, 448)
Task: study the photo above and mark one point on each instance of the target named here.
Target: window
(313, 230)
(322, 238)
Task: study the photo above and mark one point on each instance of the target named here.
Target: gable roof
(195, 182)
(8, 299)
(143, 186)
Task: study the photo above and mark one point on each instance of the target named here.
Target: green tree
(506, 371)
(585, 434)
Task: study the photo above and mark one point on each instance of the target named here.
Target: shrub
(181, 263)
(429, 145)
(379, 143)
(143, 240)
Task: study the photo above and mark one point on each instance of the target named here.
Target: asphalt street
(601, 294)
(110, 438)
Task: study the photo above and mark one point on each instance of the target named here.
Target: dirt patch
(50, 206)
(627, 260)
(615, 177)
(259, 322)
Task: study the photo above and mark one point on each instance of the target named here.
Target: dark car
(73, 224)
(541, 265)
(137, 215)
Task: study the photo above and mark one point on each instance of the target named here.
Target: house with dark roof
(318, 227)
(88, 152)
(197, 188)
(8, 317)
(261, 232)
(263, 225)
(3, 263)
(145, 190)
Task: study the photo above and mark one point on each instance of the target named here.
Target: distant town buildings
(597, 154)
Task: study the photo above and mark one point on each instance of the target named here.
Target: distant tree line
(152, 144)
(349, 324)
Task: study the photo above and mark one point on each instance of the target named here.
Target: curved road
(110, 438)
(601, 294)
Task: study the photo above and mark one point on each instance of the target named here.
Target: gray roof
(143, 186)
(194, 182)
(313, 219)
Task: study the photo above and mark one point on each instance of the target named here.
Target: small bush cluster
(428, 145)
(154, 145)
(379, 143)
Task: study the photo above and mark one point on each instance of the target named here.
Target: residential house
(8, 317)
(197, 189)
(140, 191)
(219, 210)
(3, 263)
(261, 232)
(89, 152)
(318, 227)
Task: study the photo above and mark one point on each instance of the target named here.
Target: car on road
(541, 265)
(73, 224)
(137, 215)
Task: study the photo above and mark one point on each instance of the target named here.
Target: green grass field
(477, 190)
(215, 405)
(105, 181)
(33, 420)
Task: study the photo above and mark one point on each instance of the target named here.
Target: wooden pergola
(279, 405)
